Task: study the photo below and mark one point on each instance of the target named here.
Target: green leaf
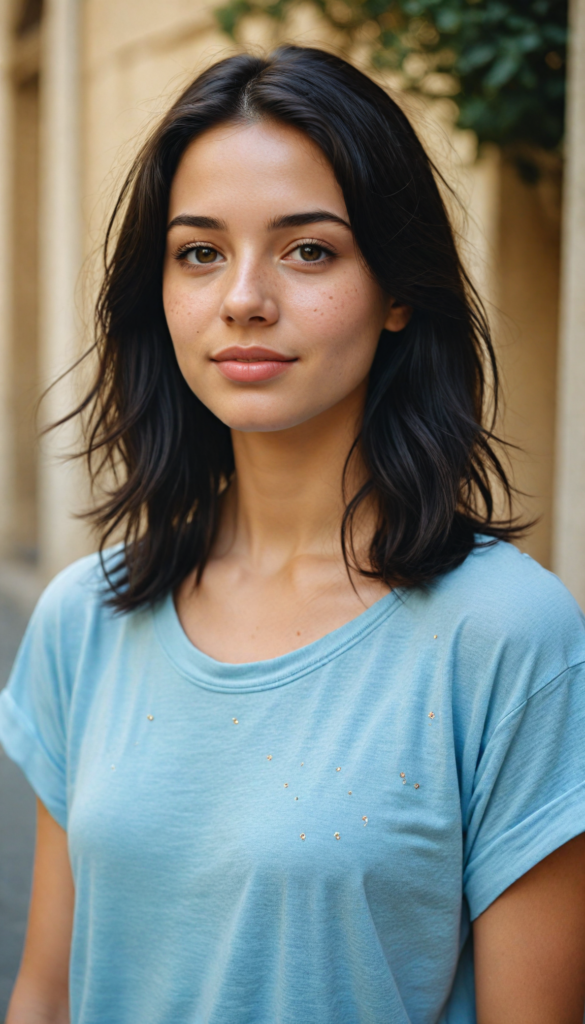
(412, 7)
(494, 12)
(476, 57)
(501, 71)
(529, 42)
(448, 20)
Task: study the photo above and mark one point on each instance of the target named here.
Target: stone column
(62, 488)
(6, 444)
(569, 533)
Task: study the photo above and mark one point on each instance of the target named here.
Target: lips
(251, 364)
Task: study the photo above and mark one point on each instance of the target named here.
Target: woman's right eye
(200, 254)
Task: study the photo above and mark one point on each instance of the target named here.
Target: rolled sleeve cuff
(522, 847)
(23, 746)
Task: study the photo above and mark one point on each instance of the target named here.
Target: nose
(248, 298)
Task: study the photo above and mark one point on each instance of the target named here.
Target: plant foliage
(502, 63)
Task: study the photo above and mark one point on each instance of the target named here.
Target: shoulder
(501, 592)
(80, 577)
(506, 625)
(75, 598)
(72, 629)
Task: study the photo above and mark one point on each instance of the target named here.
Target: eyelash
(330, 253)
(183, 250)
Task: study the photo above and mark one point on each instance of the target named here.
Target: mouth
(251, 364)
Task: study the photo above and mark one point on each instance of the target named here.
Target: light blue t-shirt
(302, 840)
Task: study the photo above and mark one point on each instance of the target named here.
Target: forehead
(264, 162)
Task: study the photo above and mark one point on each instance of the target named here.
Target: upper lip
(251, 354)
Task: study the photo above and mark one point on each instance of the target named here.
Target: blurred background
(498, 100)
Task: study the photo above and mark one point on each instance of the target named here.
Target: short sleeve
(34, 704)
(529, 789)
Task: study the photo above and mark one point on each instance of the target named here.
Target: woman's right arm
(41, 991)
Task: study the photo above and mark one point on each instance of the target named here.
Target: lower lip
(251, 373)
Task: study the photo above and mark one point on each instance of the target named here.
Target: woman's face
(273, 316)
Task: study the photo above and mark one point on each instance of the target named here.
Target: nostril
(261, 319)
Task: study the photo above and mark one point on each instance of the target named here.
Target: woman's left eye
(309, 252)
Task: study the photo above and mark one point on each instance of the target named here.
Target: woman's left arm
(530, 945)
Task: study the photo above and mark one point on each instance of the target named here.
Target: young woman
(309, 744)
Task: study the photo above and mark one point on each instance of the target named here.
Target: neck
(287, 499)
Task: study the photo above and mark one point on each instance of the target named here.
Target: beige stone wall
(511, 241)
(24, 288)
(19, 284)
(569, 532)
(136, 56)
(6, 432)
(528, 297)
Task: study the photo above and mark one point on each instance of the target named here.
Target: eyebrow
(188, 220)
(291, 220)
(296, 220)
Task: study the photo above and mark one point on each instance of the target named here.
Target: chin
(264, 420)
(259, 424)
(268, 412)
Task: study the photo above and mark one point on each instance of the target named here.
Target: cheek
(342, 323)
(186, 314)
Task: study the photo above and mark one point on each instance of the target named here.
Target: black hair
(430, 459)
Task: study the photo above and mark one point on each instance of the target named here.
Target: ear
(398, 316)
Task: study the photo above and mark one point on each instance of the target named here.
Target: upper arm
(41, 990)
(530, 945)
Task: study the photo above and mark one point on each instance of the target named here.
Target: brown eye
(201, 254)
(310, 253)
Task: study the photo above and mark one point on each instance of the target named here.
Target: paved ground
(17, 810)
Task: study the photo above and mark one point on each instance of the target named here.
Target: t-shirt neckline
(247, 677)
